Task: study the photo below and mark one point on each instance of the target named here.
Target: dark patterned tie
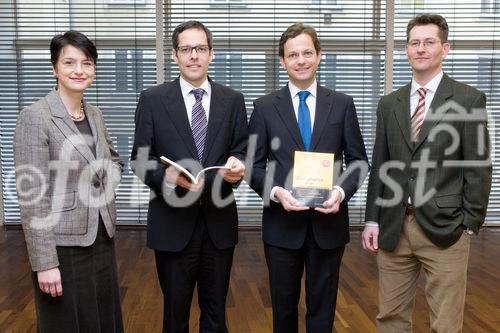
(304, 119)
(199, 122)
(417, 120)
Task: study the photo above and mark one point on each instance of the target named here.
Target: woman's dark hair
(73, 38)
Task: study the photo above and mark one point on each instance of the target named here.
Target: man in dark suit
(429, 185)
(295, 235)
(191, 227)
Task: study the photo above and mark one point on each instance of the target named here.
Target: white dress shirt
(431, 88)
(310, 100)
(189, 101)
(189, 98)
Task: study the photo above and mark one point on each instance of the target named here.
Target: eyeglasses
(86, 65)
(187, 50)
(295, 55)
(427, 44)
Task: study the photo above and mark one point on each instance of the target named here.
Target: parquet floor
(249, 304)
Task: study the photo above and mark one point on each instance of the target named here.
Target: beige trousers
(445, 273)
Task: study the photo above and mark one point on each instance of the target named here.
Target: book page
(186, 173)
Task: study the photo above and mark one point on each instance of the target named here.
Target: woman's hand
(49, 281)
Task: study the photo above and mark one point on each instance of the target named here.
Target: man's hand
(331, 205)
(369, 238)
(49, 282)
(236, 172)
(173, 176)
(288, 202)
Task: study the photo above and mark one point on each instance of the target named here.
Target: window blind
(246, 35)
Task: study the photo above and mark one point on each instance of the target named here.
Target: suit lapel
(284, 106)
(443, 92)
(218, 109)
(323, 109)
(63, 121)
(402, 114)
(176, 109)
(92, 117)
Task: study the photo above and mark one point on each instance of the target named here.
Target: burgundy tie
(417, 120)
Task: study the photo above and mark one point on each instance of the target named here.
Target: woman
(66, 172)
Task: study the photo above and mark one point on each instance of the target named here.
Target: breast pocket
(332, 137)
(334, 128)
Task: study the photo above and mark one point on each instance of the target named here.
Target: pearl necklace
(80, 116)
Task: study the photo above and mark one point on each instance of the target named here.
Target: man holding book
(196, 123)
(304, 116)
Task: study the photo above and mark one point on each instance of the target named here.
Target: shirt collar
(432, 85)
(186, 87)
(294, 90)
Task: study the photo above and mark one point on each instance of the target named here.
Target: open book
(186, 173)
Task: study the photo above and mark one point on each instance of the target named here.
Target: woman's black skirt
(91, 297)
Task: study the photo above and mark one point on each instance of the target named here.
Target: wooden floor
(249, 305)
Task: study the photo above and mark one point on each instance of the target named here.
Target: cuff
(341, 190)
(371, 224)
(273, 191)
(170, 185)
(167, 188)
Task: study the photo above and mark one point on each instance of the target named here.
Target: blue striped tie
(199, 122)
(304, 119)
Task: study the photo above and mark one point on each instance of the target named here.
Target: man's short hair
(295, 30)
(426, 19)
(190, 25)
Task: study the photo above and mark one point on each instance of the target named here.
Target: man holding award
(305, 132)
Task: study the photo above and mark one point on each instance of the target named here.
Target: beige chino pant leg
(445, 274)
(398, 275)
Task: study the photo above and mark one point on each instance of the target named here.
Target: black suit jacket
(457, 195)
(335, 130)
(162, 128)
